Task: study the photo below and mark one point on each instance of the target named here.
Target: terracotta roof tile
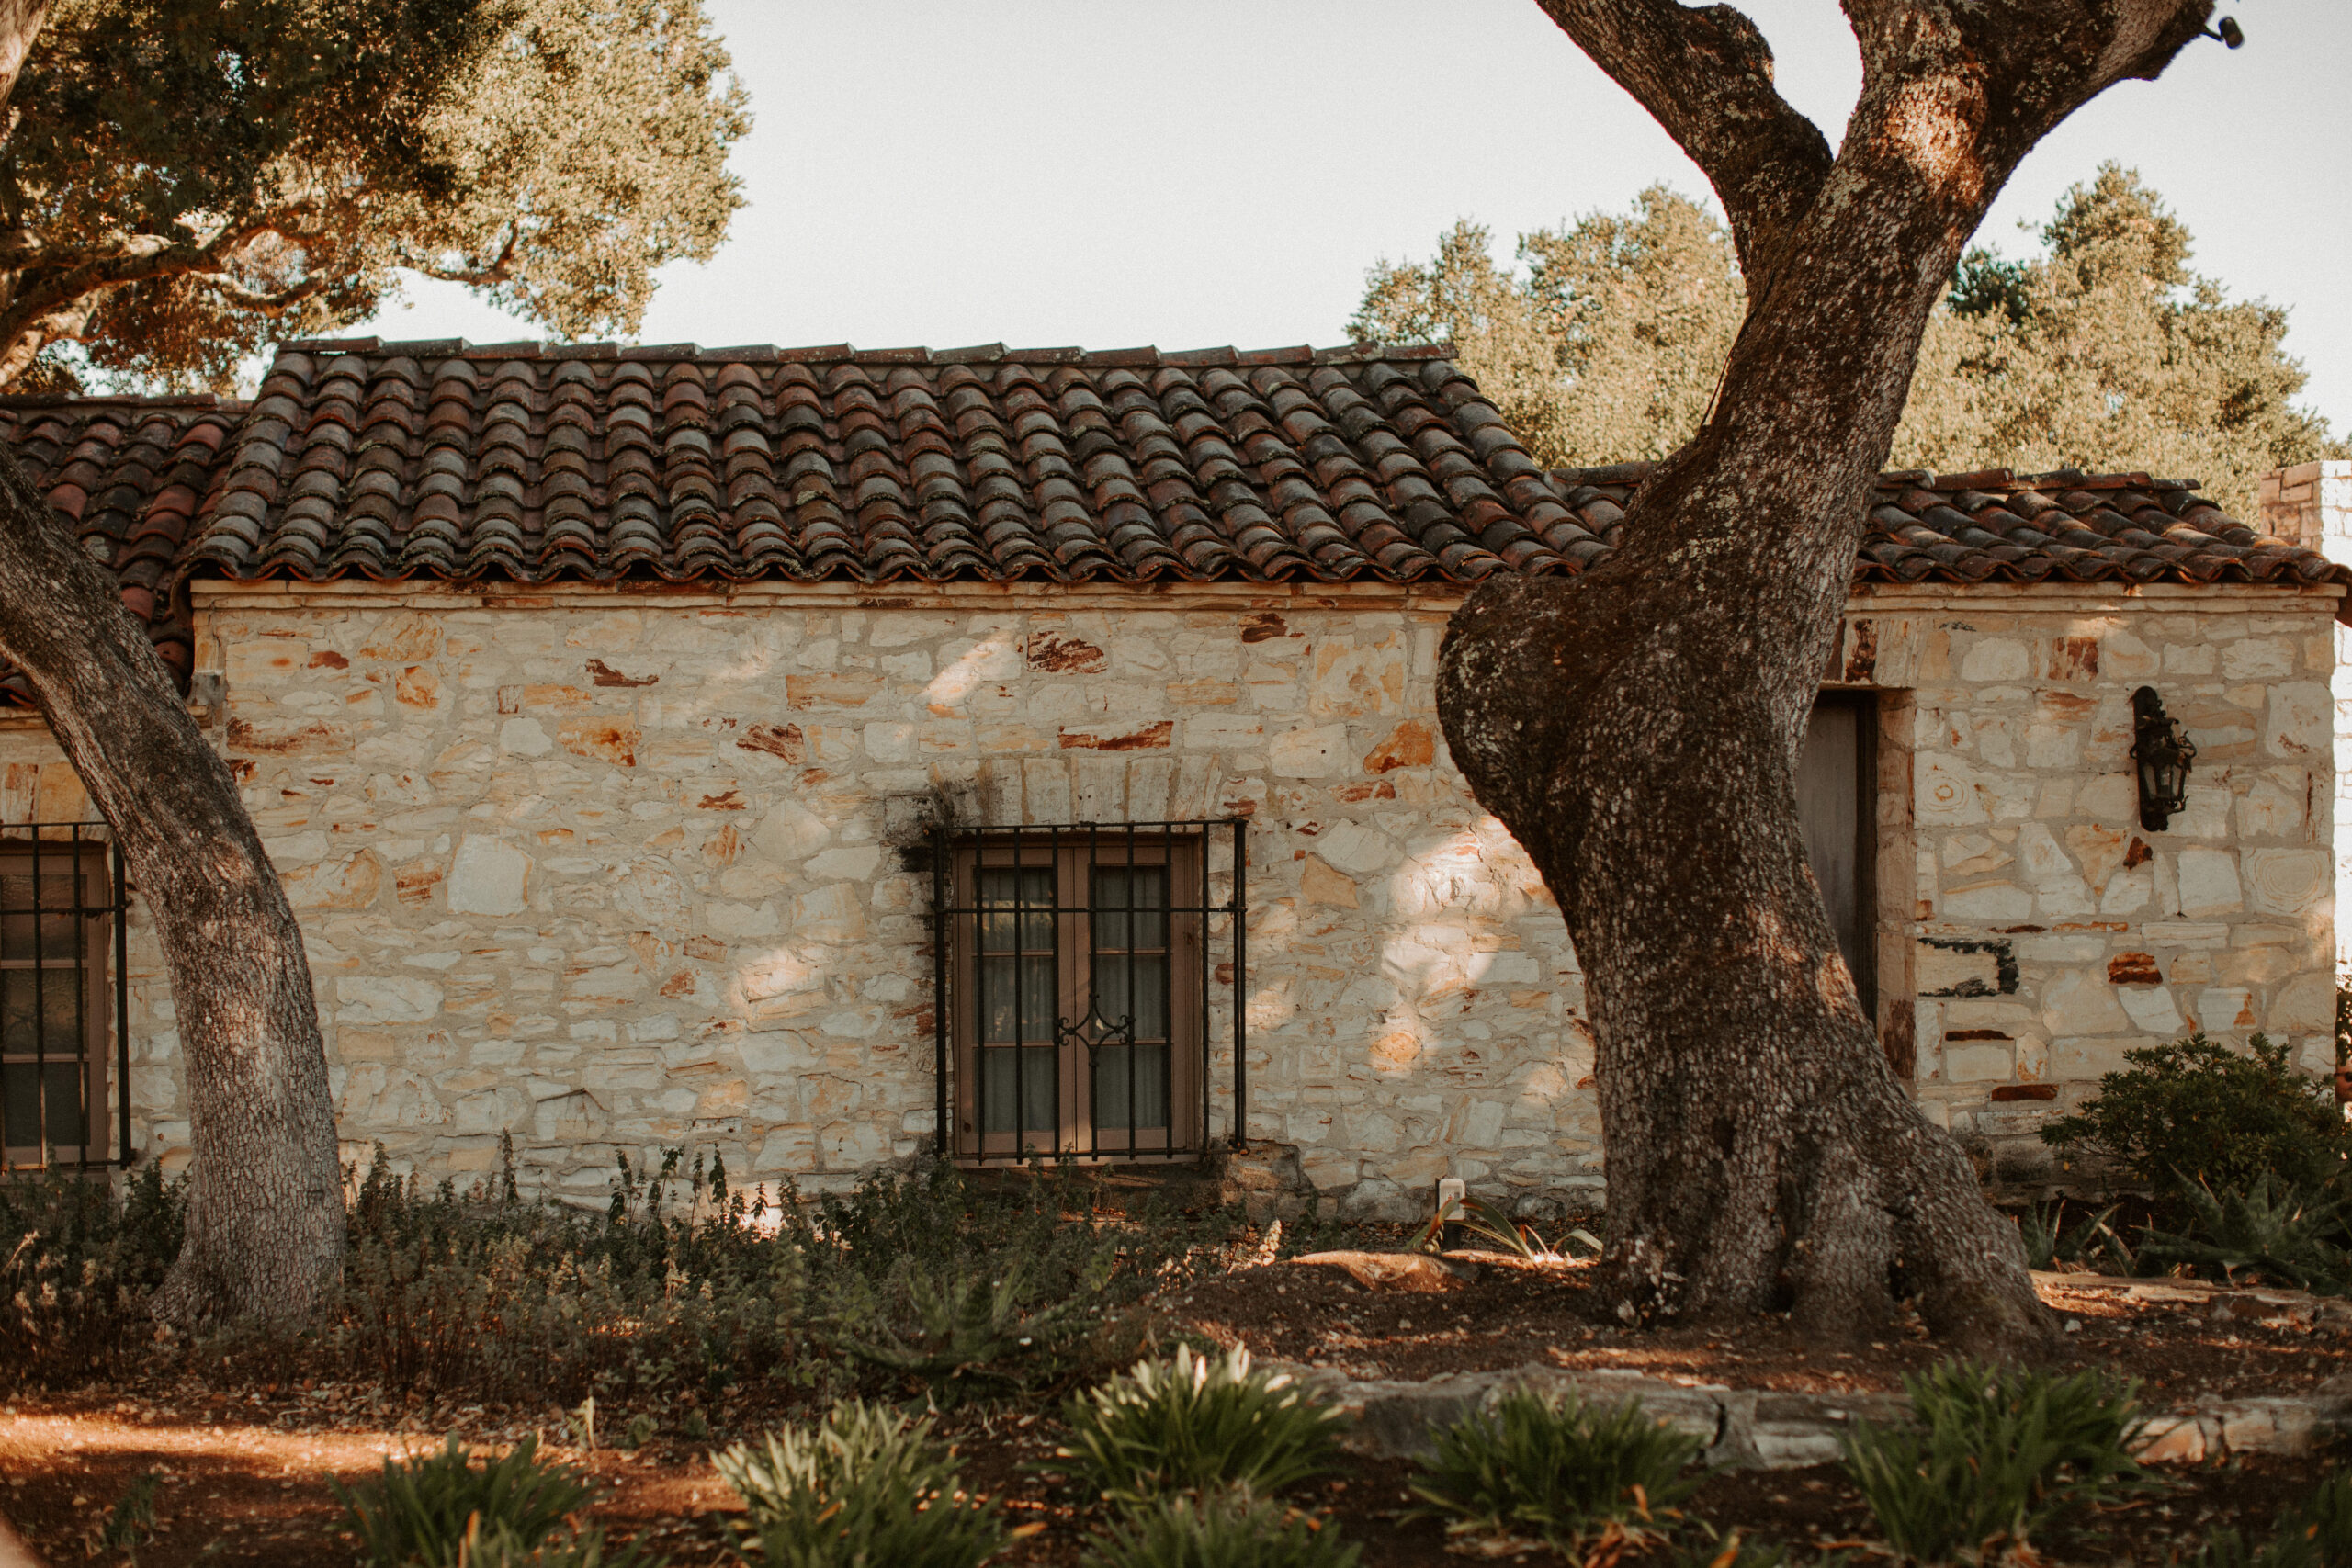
(533, 463)
(131, 474)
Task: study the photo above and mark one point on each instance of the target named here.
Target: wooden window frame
(1072, 854)
(93, 967)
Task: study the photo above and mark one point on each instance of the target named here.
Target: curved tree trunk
(1637, 727)
(265, 1210)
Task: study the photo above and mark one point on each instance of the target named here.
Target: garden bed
(244, 1467)
(251, 1490)
(2186, 1341)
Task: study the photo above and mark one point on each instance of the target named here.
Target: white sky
(1112, 173)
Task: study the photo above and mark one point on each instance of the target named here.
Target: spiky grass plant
(862, 1488)
(1197, 1421)
(1555, 1466)
(495, 1546)
(1991, 1456)
(418, 1513)
(1226, 1528)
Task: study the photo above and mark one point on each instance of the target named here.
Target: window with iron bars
(1074, 988)
(61, 989)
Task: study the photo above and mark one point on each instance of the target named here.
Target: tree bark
(1637, 727)
(265, 1207)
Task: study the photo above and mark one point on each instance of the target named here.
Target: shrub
(1558, 1467)
(2270, 1228)
(966, 1289)
(862, 1488)
(1195, 1422)
(2195, 1111)
(77, 1264)
(1227, 1528)
(501, 1297)
(1990, 1456)
(423, 1510)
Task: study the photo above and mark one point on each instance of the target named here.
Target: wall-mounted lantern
(2163, 754)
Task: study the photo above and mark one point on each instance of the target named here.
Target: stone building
(668, 748)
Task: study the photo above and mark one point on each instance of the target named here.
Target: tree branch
(1706, 76)
(59, 303)
(499, 270)
(20, 25)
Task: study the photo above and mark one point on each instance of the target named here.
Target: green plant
(2050, 1241)
(487, 1545)
(2197, 1112)
(132, 1520)
(1017, 1288)
(422, 1509)
(864, 1488)
(2270, 1228)
(962, 1334)
(1227, 1528)
(1485, 1221)
(1990, 1456)
(1712, 1549)
(77, 1266)
(1558, 1467)
(1197, 1421)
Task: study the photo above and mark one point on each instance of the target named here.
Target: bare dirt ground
(244, 1471)
(2164, 1333)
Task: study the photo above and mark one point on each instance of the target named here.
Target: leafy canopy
(2104, 352)
(188, 179)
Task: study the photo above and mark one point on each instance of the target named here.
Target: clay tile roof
(1994, 526)
(530, 462)
(133, 474)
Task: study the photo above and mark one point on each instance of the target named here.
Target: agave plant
(1557, 1466)
(1231, 1527)
(862, 1488)
(1484, 1220)
(1197, 1421)
(2270, 1227)
(1991, 1456)
(420, 1510)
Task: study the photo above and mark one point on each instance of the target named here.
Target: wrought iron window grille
(64, 1054)
(1074, 996)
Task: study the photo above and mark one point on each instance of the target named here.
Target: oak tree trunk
(265, 1208)
(1637, 727)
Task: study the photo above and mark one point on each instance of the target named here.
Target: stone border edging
(1761, 1429)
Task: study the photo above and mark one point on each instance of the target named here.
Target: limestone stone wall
(2311, 503)
(601, 870)
(2050, 932)
(624, 871)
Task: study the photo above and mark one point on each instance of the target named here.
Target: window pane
(1120, 1070)
(18, 1082)
(1021, 888)
(48, 994)
(1017, 1093)
(1135, 989)
(1021, 1011)
(17, 918)
(1128, 906)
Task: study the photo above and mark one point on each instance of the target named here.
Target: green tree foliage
(2104, 352)
(1606, 351)
(188, 179)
